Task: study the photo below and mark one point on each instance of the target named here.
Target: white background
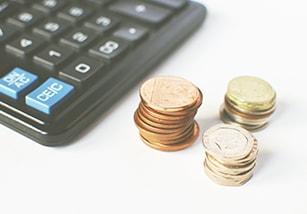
(110, 170)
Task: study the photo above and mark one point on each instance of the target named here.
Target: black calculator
(64, 63)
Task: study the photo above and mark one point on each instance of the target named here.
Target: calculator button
(25, 18)
(109, 49)
(24, 45)
(49, 95)
(23, 1)
(141, 11)
(6, 33)
(52, 28)
(131, 33)
(16, 82)
(81, 71)
(75, 13)
(102, 23)
(79, 38)
(49, 6)
(6, 7)
(173, 4)
(99, 2)
(53, 57)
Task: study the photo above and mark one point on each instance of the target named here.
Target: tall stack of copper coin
(165, 115)
(249, 102)
(231, 153)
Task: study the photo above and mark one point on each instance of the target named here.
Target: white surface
(109, 170)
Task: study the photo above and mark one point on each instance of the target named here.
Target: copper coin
(174, 147)
(169, 93)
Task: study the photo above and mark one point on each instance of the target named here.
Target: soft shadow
(206, 123)
(262, 160)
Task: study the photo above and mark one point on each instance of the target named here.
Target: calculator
(64, 63)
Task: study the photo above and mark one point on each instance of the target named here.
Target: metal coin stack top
(165, 115)
(249, 102)
(230, 154)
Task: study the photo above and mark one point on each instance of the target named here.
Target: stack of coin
(249, 102)
(230, 154)
(165, 116)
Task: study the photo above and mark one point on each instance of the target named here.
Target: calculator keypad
(60, 60)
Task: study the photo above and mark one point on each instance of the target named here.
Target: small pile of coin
(230, 154)
(165, 115)
(249, 102)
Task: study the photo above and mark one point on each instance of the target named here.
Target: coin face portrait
(169, 92)
(227, 141)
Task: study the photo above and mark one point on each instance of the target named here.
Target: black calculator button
(23, 1)
(25, 19)
(50, 95)
(52, 28)
(75, 13)
(6, 7)
(53, 57)
(109, 49)
(24, 46)
(6, 33)
(79, 38)
(81, 71)
(131, 33)
(173, 4)
(99, 2)
(49, 6)
(141, 11)
(102, 23)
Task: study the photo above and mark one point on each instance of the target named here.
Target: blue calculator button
(49, 95)
(16, 82)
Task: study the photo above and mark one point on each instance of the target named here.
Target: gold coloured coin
(251, 93)
(230, 119)
(253, 115)
(249, 102)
